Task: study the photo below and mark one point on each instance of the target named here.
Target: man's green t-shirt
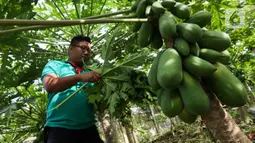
(75, 113)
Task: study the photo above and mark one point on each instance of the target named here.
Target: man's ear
(70, 48)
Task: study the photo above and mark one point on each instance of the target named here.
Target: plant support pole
(10, 22)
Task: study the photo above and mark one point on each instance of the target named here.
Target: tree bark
(135, 137)
(250, 91)
(242, 113)
(153, 119)
(105, 122)
(115, 135)
(102, 128)
(123, 133)
(129, 134)
(221, 124)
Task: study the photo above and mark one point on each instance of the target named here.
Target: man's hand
(54, 84)
(90, 76)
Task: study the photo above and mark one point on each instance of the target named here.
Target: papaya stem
(60, 104)
(169, 42)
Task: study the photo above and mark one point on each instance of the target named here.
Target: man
(74, 121)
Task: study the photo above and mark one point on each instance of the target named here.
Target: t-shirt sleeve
(50, 68)
(90, 84)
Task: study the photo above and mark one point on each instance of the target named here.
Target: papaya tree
(189, 72)
(194, 48)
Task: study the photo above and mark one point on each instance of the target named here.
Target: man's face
(80, 50)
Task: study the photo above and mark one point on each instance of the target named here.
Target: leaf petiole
(60, 104)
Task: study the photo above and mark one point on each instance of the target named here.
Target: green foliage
(124, 83)
(20, 9)
(121, 84)
(242, 54)
(25, 117)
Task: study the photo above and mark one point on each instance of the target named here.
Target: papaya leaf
(107, 53)
(112, 85)
(109, 88)
(112, 101)
(123, 95)
(94, 67)
(131, 91)
(126, 87)
(94, 93)
(121, 77)
(226, 6)
(94, 98)
(131, 61)
(106, 67)
(108, 91)
(107, 50)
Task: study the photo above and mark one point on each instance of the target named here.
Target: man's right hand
(54, 84)
(91, 76)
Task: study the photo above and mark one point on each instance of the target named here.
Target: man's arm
(52, 83)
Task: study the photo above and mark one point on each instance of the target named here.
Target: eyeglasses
(83, 48)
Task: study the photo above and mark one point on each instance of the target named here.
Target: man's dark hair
(80, 38)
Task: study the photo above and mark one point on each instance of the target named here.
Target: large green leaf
(131, 61)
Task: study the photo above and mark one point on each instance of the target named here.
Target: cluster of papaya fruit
(196, 55)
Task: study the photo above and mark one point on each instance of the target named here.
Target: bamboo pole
(52, 26)
(49, 26)
(9, 22)
(44, 24)
(108, 14)
(26, 28)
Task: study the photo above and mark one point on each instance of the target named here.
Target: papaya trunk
(129, 134)
(221, 124)
(123, 135)
(153, 119)
(106, 125)
(242, 113)
(115, 138)
(134, 136)
(250, 91)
